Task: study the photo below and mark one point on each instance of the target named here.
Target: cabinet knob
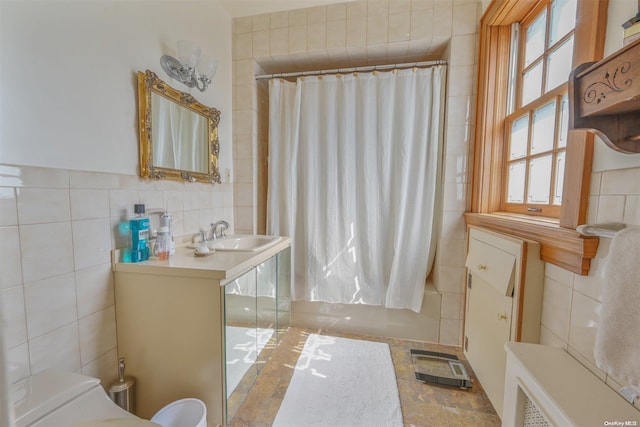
(502, 316)
(482, 267)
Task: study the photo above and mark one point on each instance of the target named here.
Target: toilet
(62, 399)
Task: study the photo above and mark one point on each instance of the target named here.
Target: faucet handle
(201, 236)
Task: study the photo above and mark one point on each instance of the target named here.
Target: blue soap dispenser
(139, 229)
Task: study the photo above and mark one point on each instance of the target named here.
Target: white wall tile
(632, 211)
(422, 24)
(94, 289)
(548, 338)
(93, 180)
(89, 204)
(558, 274)
(91, 242)
(59, 349)
(443, 21)
(10, 267)
(450, 331)
(460, 79)
(47, 250)
(121, 203)
(8, 207)
(465, 20)
(50, 304)
(97, 334)
(104, 368)
(14, 315)
(584, 322)
(556, 308)
(623, 181)
(610, 208)
(18, 363)
(463, 50)
(451, 307)
(36, 177)
(39, 205)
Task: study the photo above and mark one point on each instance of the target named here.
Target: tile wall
(352, 34)
(571, 303)
(57, 229)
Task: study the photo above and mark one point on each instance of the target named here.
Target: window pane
(557, 197)
(539, 180)
(559, 65)
(531, 84)
(563, 19)
(534, 44)
(516, 182)
(519, 137)
(544, 124)
(563, 132)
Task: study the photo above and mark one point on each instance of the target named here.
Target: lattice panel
(532, 415)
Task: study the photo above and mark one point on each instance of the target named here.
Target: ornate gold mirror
(178, 135)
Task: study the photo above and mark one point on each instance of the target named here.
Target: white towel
(617, 348)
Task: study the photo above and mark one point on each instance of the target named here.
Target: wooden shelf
(604, 97)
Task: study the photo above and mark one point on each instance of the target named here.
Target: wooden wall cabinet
(503, 303)
(604, 97)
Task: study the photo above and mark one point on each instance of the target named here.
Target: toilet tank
(60, 399)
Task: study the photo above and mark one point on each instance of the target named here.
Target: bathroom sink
(250, 243)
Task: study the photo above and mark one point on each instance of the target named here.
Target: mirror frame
(148, 83)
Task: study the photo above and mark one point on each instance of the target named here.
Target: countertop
(221, 265)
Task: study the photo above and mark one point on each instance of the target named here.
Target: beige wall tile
(243, 46)
(50, 304)
(452, 252)
(399, 27)
(422, 24)
(421, 5)
(399, 6)
(279, 20)
(298, 17)
(13, 314)
(378, 7)
(91, 242)
(97, 334)
(47, 250)
(8, 207)
(377, 29)
(242, 24)
(594, 187)
(356, 32)
(548, 338)
(357, 9)
(38, 205)
(465, 20)
(244, 194)
(120, 202)
(337, 34)
(336, 12)
(58, 349)
(102, 368)
(559, 275)
(450, 308)
(450, 332)
(463, 50)
(89, 204)
(10, 267)
(261, 22)
(94, 289)
(93, 180)
(454, 197)
(261, 41)
(460, 80)
(279, 44)
(191, 200)
(28, 176)
(317, 36)
(298, 39)
(317, 15)
(442, 21)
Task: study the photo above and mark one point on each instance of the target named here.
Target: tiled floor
(422, 404)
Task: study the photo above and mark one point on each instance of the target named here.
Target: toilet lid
(117, 422)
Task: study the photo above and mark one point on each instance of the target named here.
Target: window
(536, 131)
(530, 175)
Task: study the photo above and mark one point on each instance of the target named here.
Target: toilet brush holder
(122, 392)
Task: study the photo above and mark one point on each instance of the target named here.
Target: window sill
(560, 246)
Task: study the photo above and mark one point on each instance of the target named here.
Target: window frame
(560, 244)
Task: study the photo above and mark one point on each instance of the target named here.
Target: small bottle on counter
(163, 243)
(139, 229)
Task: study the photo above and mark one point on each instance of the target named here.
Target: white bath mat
(341, 382)
(243, 345)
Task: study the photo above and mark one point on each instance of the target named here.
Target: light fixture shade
(207, 67)
(188, 53)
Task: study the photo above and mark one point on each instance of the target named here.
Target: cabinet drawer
(493, 265)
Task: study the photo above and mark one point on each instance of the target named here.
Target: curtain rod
(353, 69)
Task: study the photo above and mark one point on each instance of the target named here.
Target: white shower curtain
(353, 179)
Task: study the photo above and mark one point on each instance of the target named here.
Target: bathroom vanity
(194, 326)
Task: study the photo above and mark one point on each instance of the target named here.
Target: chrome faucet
(213, 231)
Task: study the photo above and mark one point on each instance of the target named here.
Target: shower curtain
(354, 166)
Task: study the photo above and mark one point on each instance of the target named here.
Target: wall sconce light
(190, 68)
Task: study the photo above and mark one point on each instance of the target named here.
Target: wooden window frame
(560, 244)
